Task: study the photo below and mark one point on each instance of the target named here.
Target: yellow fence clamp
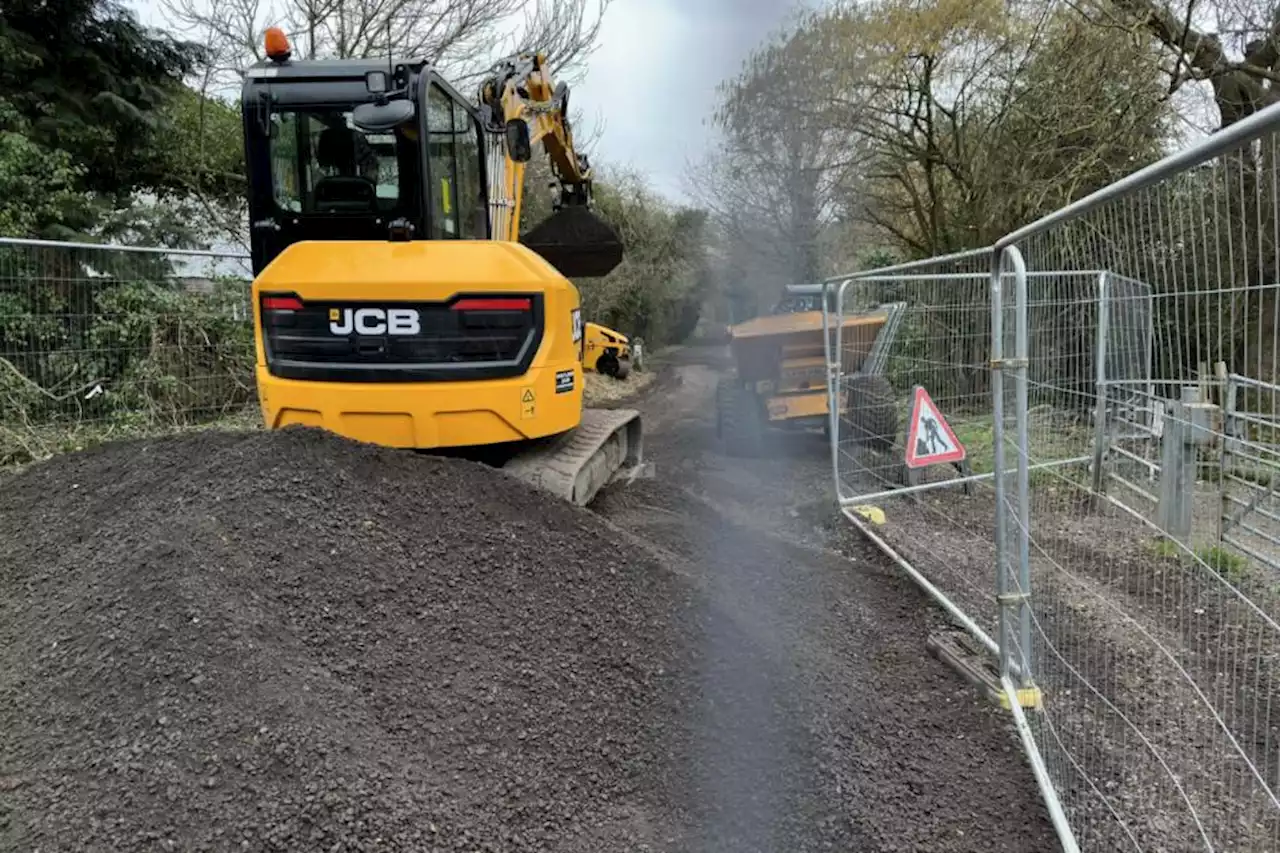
(873, 514)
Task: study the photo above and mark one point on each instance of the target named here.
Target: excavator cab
(356, 150)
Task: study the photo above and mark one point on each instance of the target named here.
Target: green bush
(119, 353)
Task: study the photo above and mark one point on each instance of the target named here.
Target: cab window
(458, 209)
(442, 165)
(321, 163)
(473, 211)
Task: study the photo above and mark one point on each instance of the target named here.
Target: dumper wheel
(871, 414)
(738, 419)
(624, 369)
(608, 365)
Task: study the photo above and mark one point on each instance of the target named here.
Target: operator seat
(340, 149)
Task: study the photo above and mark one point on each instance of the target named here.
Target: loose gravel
(287, 641)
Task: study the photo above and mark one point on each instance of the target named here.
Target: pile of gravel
(286, 641)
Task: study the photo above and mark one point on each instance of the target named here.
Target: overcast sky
(651, 83)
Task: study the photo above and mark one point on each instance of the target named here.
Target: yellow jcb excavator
(394, 302)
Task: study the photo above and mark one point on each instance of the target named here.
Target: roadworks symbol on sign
(930, 440)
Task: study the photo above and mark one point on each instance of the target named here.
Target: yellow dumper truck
(780, 372)
(606, 351)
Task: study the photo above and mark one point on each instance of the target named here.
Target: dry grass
(602, 389)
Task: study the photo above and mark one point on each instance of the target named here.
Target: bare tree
(939, 126)
(461, 37)
(770, 185)
(1233, 46)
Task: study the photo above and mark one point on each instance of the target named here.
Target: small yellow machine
(393, 301)
(606, 352)
(780, 377)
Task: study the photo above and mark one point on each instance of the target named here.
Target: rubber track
(574, 466)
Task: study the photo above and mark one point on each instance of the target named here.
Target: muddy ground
(921, 763)
(287, 641)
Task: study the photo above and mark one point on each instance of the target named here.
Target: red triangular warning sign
(930, 440)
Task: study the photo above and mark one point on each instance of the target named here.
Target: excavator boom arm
(520, 102)
(520, 91)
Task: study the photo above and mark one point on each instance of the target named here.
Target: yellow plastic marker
(873, 514)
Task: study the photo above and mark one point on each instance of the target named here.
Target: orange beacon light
(277, 44)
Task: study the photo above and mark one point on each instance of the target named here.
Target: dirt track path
(849, 736)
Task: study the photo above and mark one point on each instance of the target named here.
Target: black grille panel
(470, 336)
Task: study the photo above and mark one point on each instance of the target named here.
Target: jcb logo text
(374, 321)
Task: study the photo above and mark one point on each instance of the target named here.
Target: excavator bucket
(576, 242)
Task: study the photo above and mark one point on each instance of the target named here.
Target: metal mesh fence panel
(942, 517)
(99, 342)
(927, 327)
(1150, 565)
(1113, 372)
